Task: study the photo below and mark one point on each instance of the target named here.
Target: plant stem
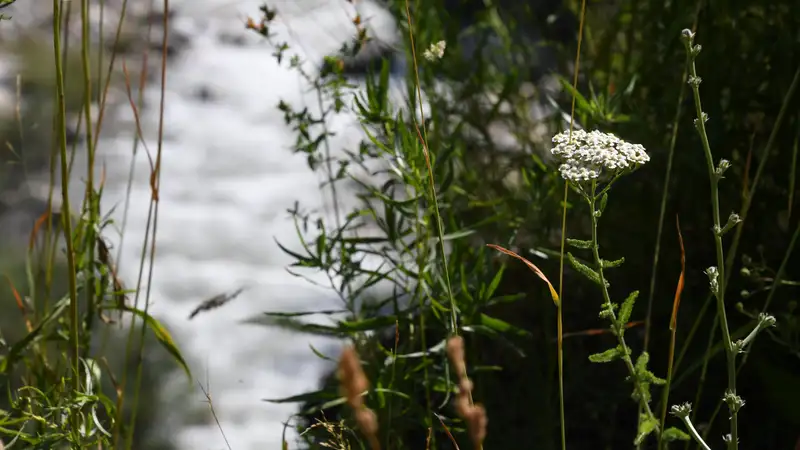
(626, 357)
(722, 280)
(695, 434)
(66, 213)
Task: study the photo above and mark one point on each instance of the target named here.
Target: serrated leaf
(584, 270)
(674, 434)
(627, 307)
(579, 243)
(609, 355)
(641, 362)
(646, 426)
(652, 378)
(611, 264)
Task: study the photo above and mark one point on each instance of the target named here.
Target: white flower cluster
(592, 155)
(436, 51)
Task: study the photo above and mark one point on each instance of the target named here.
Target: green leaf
(609, 355)
(490, 332)
(163, 337)
(579, 243)
(646, 426)
(339, 329)
(641, 362)
(603, 202)
(370, 324)
(582, 102)
(303, 398)
(611, 264)
(7, 363)
(627, 307)
(674, 434)
(585, 270)
(326, 312)
(487, 292)
(455, 235)
(502, 326)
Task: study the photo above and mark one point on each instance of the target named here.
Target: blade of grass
(793, 173)
(665, 190)
(559, 306)
(673, 328)
(66, 212)
(155, 182)
(439, 226)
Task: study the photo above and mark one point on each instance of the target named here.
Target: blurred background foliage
(495, 184)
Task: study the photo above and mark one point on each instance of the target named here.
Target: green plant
(398, 244)
(716, 274)
(62, 362)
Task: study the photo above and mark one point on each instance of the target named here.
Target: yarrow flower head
(594, 155)
(435, 51)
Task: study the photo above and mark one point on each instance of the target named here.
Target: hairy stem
(626, 357)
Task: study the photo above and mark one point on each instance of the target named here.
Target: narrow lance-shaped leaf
(17, 349)
(674, 434)
(585, 270)
(609, 355)
(676, 303)
(603, 202)
(539, 273)
(627, 307)
(579, 243)
(647, 425)
(162, 335)
(502, 326)
(611, 264)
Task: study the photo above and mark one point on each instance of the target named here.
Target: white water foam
(228, 177)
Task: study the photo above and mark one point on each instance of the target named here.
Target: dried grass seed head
(587, 156)
(352, 378)
(455, 353)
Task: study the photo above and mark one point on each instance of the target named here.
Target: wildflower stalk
(716, 275)
(609, 309)
(559, 312)
(588, 159)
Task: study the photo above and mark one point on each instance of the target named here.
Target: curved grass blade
(539, 273)
(161, 333)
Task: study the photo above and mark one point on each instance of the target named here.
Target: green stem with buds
(718, 285)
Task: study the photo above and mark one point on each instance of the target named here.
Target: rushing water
(228, 177)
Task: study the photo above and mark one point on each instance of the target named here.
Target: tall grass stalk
(559, 305)
(422, 134)
(673, 328)
(66, 211)
(665, 190)
(432, 184)
(90, 203)
(155, 183)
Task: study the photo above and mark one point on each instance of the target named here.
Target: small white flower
(435, 51)
(595, 155)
